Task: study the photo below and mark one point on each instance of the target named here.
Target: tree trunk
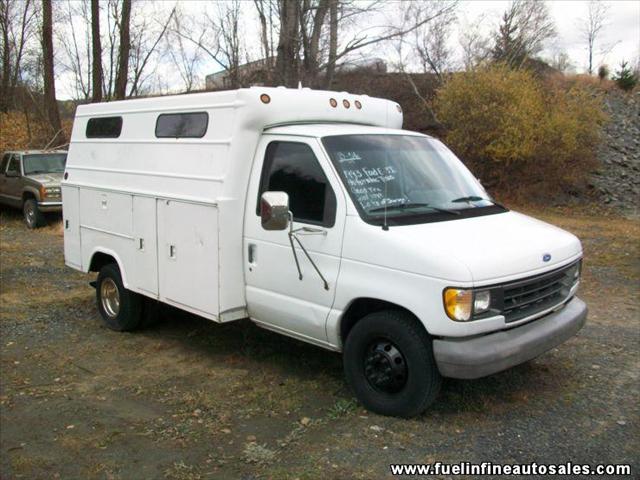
(333, 43)
(123, 56)
(6, 57)
(50, 103)
(286, 61)
(96, 70)
(312, 53)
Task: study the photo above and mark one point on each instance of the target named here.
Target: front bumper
(480, 356)
(47, 207)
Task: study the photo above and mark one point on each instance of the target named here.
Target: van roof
(254, 108)
(320, 130)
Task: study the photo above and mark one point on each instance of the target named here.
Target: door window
(14, 165)
(293, 168)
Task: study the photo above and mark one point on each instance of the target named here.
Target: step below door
(188, 256)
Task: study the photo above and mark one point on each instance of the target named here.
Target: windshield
(44, 163)
(408, 179)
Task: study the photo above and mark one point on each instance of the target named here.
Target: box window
(104, 127)
(182, 125)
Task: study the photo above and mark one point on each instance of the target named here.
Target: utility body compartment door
(144, 274)
(71, 225)
(188, 256)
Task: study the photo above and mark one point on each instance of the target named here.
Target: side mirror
(274, 210)
(12, 174)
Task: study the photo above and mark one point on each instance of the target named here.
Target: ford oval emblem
(546, 257)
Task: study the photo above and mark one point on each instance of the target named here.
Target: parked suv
(30, 180)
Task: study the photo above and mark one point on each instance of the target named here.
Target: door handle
(251, 253)
(172, 251)
(310, 231)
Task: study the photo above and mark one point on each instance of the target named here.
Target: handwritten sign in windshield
(368, 183)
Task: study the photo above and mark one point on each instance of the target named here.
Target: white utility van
(314, 215)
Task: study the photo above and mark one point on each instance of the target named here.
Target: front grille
(524, 298)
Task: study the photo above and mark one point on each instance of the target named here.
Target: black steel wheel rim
(385, 368)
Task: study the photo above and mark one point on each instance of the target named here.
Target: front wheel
(120, 308)
(388, 361)
(33, 217)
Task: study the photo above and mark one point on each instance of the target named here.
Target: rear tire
(120, 308)
(388, 361)
(33, 217)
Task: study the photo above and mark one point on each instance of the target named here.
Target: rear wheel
(388, 361)
(120, 308)
(33, 217)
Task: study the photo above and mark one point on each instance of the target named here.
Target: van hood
(482, 250)
(47, 179)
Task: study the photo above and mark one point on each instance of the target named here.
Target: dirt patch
(188, 399)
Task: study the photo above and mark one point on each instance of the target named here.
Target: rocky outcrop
(617, 179)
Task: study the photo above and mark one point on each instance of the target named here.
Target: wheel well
(364, 306)
(27, 195)
(99, 260)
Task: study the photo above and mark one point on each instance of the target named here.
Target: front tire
(33, 217)
(120, 308)
(388, 361)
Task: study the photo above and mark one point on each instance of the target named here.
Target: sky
(620, 39)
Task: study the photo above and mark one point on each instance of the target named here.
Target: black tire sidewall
(128, 317)
(38, 217)
(423, 380)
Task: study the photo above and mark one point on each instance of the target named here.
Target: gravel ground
(188, 399)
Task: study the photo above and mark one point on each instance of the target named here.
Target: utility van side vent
(182, 125)
(104, 127)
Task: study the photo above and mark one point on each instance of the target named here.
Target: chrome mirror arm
(292, 237)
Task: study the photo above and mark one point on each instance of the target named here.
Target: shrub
(516, 132)
(603, 72)
(625, 78)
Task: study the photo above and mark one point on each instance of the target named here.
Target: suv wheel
(33, 217)
(388, 361)
(120, 308)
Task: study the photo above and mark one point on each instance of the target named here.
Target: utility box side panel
(71, 225)
(188, 256)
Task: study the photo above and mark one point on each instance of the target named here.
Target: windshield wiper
(403, 206)
(470, 198)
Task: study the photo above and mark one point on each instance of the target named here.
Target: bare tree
(592, 26)
(266, 9)
(122, 72)
(17, 31)
(50, 102)
(526, 26)
(96, 52)
(148, 32)
(221, 40)
(476, 47)
(76, 47)
(561, 62)
(184, 58)
(288, 43)
(430, 41)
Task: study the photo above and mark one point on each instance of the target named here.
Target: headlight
(52, 191)
(462, 304)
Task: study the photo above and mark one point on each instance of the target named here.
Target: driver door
(276, 295)
(12, 181)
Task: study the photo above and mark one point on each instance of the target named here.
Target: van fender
(114, 255)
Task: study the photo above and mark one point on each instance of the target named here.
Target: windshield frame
(430, 215)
